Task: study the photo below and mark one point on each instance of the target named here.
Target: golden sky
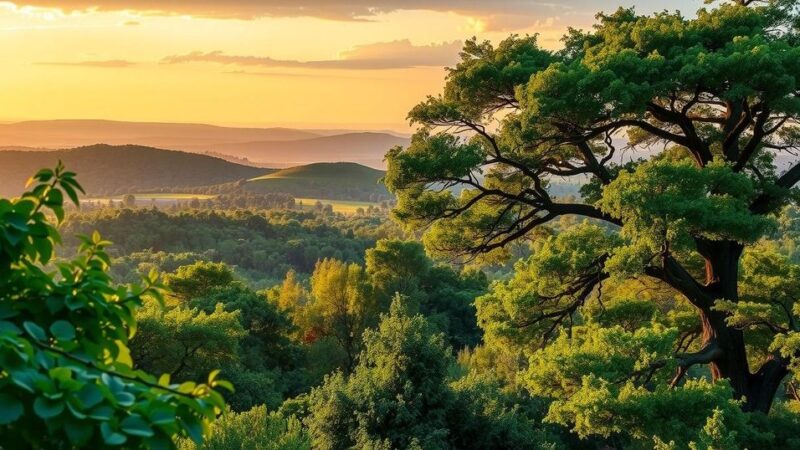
(315, 63)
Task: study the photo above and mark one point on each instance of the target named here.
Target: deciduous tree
(718, 92)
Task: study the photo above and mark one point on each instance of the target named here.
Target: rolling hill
(364, 148)
(333, 181)
(109, 170)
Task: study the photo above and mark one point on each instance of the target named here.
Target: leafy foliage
(261, 245)
(399, 397)
(67, 376)
(718, 92)
(256, 429)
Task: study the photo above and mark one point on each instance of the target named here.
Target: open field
(341, 206)
(162, 198)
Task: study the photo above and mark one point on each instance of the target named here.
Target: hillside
(364, 148)
(108, 170)
(73, 133)
(335, 181)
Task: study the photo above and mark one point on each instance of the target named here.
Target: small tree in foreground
(66, 377)
(720, 93)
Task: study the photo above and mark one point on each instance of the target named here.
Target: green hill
(334, 181)
(111, 170)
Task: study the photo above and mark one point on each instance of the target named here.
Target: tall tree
(342, 306)
(718, 92)
(399, 396)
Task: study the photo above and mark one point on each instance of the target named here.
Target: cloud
(489, 15)
(285, 74)
(400, 54)
(113, 63)
(498, 15)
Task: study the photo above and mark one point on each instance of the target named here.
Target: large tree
(709, 102)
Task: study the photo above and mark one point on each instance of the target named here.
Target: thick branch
(693, 142)
(675, 275)
(711, 352)
(755, 140)
(767, 202)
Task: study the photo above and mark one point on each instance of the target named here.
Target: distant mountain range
(274, 147)
(111, 170)
(72, 133)
(364, 148)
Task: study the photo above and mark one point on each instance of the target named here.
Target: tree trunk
(722, 279)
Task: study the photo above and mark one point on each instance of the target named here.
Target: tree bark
(757, 390)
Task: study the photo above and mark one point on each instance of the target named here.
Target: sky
(359, 64)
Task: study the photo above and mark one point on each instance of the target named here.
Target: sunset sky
(318, 63)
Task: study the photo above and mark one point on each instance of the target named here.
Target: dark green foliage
(399, 396)
(441, 294)
(216, 321)
(262, 246)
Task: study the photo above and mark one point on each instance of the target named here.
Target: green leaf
(134, 425)
(103, 412)
(162, 417)
(111, 437)
(9, 327)
(47, 409)
(125, 398)
(62, 330)
(35, 331)
(75, 409)
(54, 198)
(24, 379)
(61, 374)
(16, 221)
(10, 409)
(193, 428)
(90, 395)
(73, 196)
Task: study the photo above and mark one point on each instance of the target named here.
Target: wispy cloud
(286, 74)
(400, 54)
(499, 15)
(113, 63)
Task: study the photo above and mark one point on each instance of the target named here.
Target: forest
(485, 306)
